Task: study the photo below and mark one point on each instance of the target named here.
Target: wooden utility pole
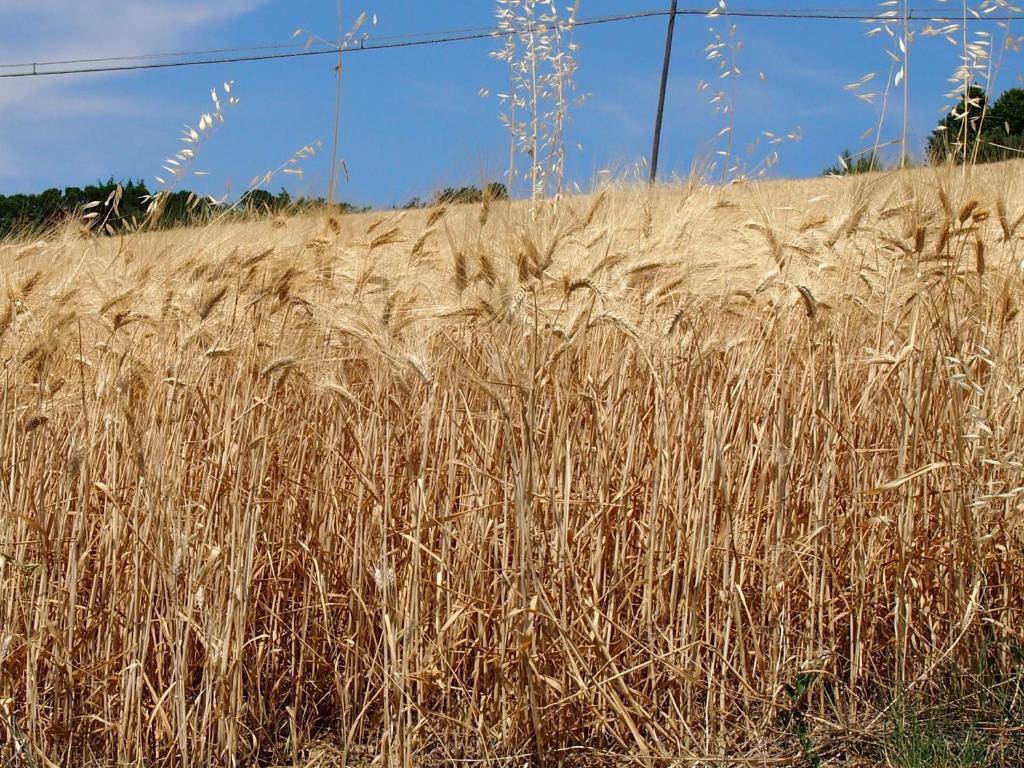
(664, 88)
(332, 187)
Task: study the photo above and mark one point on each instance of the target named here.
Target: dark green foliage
(40, 212)
(976, 131)
(497, 191)
(1007, 114)
(957, 133)
(182, 207)
(453, 196)
(308, 204)
(260, 201)
(37, 213)
(849, 165)
(458, 196)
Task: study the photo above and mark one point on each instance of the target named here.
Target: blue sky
(412, 119)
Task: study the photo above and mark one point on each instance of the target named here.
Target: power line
(330, 48)
(324, 43)
(333, 51)
(454, 37)
(149, 56)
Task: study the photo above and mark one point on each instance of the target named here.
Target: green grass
(917, 744)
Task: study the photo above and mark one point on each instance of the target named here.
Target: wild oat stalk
(180, 165)
(540, 52)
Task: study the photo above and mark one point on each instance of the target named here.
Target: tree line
(462, 195)
(113, 207)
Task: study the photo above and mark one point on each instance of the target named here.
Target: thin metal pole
(664, 87)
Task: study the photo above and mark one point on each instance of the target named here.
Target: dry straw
(496, 510)
(662, 476)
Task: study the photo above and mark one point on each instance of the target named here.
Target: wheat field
(681, 475)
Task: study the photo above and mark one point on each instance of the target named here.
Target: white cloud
(68, 29)
(50, 30)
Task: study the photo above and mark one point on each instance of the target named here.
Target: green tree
(457, 196)
(1003, 130)
(43, 211)
(849, 165)
(128, 208)
(976, 131)
(497, 190)
(1007, 113)
(957, 135)
(258, 201)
